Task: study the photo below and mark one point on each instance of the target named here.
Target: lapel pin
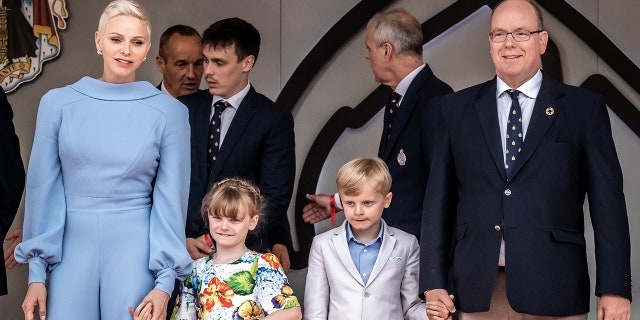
(549, 111)
(402, 158)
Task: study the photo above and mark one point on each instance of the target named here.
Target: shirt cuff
(338, 201)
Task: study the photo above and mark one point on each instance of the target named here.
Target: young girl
(235, 282)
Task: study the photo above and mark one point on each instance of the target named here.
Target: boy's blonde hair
(232, 198)
(357, 173)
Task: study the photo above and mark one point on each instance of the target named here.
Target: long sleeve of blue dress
(43, 227)
(169, 210)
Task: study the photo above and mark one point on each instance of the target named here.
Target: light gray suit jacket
(335, 290)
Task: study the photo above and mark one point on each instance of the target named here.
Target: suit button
(507, 192)
(366, 294)
(497, 227)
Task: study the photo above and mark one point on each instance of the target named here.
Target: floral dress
(249, 288)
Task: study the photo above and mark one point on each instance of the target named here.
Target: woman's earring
(144, 59)
(99, 52)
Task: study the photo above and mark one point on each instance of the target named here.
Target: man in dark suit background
(503, 223)
(256, 139)
(11, 184)
(394, 50)
(180, 60)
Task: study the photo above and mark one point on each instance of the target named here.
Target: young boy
(363, 269)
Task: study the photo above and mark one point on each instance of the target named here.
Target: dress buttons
(507, 192)
(366, 294)
(497, 227)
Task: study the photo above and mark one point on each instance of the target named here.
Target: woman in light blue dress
(107, 187)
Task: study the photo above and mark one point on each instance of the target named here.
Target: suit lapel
(405, 111)
(241, 119)
(341, 247)
(388, 243)
(548, 97)
(487, 112)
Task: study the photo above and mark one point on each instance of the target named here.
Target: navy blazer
(259, 146)
(408, 150)
(11, 176)
(470, 206)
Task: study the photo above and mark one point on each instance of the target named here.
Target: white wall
(290, 28)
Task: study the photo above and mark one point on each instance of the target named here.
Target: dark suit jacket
(259, 146)
(568, 152)
(412, 137)
(11, 176)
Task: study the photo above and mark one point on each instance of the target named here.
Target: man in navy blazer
(394, 50)
(256, 139)
(504, 229)
(11, 180)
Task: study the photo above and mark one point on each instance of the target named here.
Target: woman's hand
(36, 297)
(153, 306)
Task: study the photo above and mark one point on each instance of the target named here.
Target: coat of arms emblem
(28, 38)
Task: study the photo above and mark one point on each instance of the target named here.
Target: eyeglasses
(518, 35)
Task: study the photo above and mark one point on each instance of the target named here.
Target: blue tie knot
(220, 105)
(513, 94)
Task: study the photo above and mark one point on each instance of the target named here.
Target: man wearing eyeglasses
(503, 219)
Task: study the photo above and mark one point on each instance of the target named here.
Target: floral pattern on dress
(251, 287)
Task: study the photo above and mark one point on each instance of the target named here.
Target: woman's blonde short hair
(128, 8)
(364, 171)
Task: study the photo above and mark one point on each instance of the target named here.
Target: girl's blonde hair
(128, 8)
(232, 198)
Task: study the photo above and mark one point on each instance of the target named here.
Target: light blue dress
(89, 217)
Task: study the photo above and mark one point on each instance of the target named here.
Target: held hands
(36, 297)
(143, 314)
(14, 237)
(198, 247)
(318, 209)
(439, 304)
(152, 307)
(613, 307)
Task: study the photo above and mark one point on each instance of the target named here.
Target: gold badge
(402, 158)
(549, 111)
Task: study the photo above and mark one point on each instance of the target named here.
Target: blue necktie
(514, 133)
(214, 133)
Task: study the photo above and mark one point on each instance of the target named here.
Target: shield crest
(28, 38)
